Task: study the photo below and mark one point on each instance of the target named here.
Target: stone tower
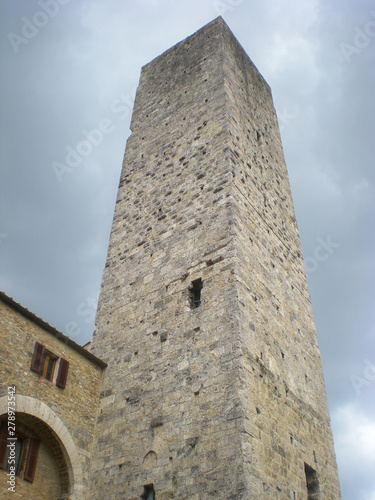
(214, 387)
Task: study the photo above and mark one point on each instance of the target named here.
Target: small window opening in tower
(148, 492)
(195, 293)
(312, 482)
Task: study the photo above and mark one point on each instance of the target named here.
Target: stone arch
(34, 412)
(150, 460)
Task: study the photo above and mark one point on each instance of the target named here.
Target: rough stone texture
(226, 400)
(63, 419)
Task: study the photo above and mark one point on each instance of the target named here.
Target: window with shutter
(63, 373)
(44, 363)
(3, 443)
(37, 361)
(16, 459)
(31, 460)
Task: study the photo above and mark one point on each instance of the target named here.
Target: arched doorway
(58, 473)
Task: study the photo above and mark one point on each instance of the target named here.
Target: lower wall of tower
(170, 413)
(281, 435)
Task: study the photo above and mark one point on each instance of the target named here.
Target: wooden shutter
(37, 361)
(31, 460)
(3, 443)
(63, 373)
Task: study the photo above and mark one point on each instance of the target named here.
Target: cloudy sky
(73, 67)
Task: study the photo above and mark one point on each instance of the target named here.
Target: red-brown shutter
(31, 460)
(63, 373)
(37, 361)
(3, 443)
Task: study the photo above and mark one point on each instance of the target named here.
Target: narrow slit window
(312, 482)
(195, 293)
(148, 492)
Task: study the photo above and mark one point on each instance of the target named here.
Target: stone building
(56, 385)
(213, 386)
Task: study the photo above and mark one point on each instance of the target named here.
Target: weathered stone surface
(225, 400)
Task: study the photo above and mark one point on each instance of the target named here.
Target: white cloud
(362, 193)
(355, 449)
(357, 432)
(294, 55)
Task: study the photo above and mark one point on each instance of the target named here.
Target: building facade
(211, 384)
(53, 385)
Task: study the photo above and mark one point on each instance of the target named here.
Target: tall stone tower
(214, 387)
